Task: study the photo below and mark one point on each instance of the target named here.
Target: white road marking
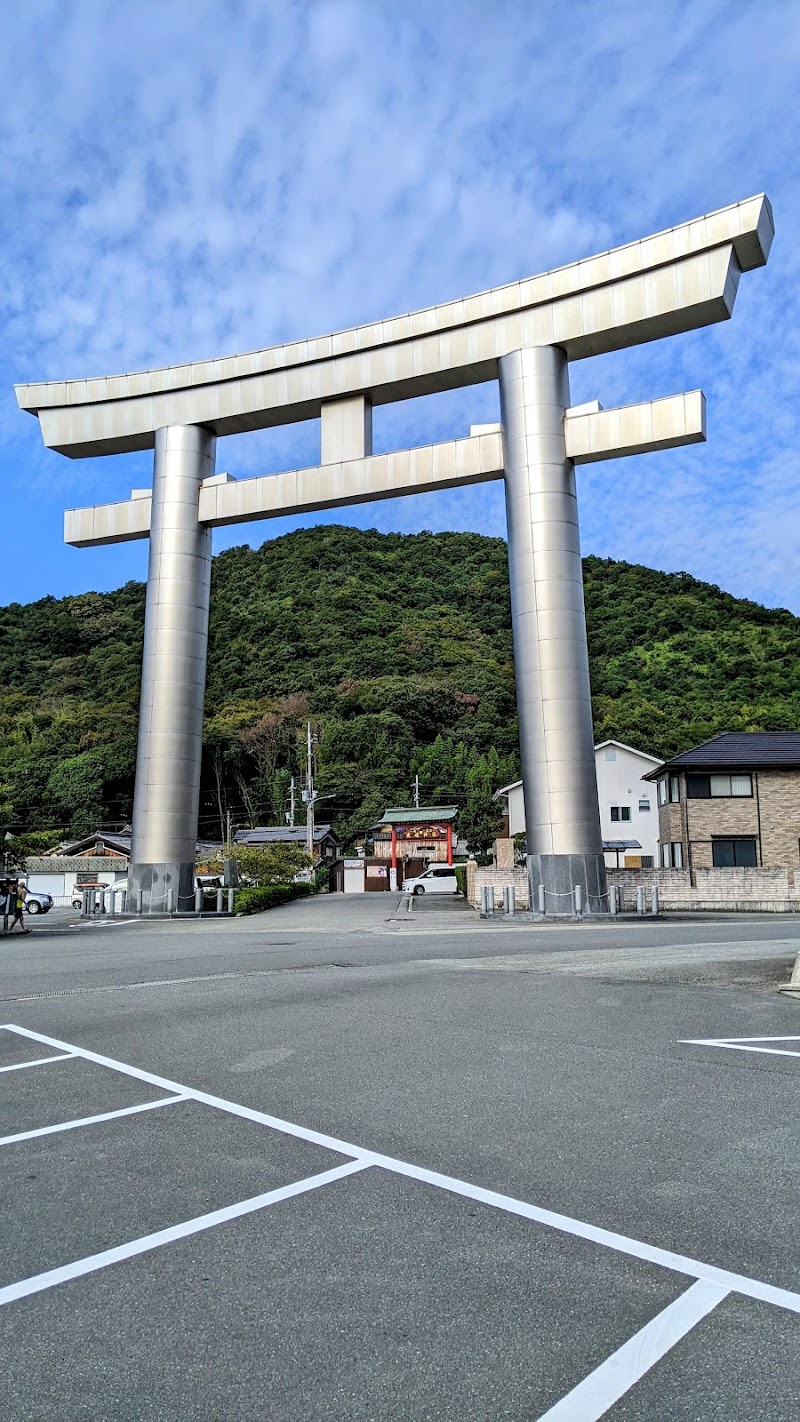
(635, 1248)
(51, 1277)
(609, 1382)
(742, 1044)
(40, 1061)
(89, 1120)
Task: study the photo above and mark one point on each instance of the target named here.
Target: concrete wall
(731, 890)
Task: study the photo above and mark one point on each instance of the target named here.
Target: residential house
(628, 818)
(732, 802)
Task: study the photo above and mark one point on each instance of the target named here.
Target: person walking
(5, 902)
(19, 894)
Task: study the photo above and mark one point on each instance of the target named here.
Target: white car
(439, 879)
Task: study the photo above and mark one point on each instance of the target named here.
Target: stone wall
(731, 890)
(734, 890)
(479, 876)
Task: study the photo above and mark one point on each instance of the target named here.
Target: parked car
(439, 879)
(35, 902)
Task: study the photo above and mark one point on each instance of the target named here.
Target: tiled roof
(281, 834)
(739, 750)
(418, 815)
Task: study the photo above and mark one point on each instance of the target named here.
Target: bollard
(487, 901)
(198, 900)
(509, 900)
(230, 900)
(85, 909)
(101, 901)
(112, 902)
(219, 901)
(612, 901)
(139, 901)
(540, 896)
(654, 899)
(578, 900)
(640, 899)
(170, 899)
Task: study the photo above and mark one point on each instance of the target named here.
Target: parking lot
(351, 1160)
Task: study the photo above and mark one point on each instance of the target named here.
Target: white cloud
(187, 177)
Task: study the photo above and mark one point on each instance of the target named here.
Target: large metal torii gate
(524, 334)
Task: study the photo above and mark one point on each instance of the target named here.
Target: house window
(644, 807)
(662, 791)
(620, 812)
(674, 790)
(611, 755)
(672, 855)
(719, 787)
(733, 853)
(647, 861)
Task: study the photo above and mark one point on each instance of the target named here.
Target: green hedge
(461, 878)
(257, 900)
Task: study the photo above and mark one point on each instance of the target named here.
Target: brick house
(732, 802)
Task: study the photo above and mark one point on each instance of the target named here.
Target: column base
(559, 873)
(162, 888)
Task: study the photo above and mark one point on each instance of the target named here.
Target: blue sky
(190, 178)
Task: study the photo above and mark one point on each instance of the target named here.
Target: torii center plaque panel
(524, 335)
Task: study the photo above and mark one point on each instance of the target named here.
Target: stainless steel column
(173, 675)
(562, 816)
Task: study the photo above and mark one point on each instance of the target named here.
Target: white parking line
(635, 1248)
(37, 1282)
(743, 1044)
(40, 1061)
(617, 1375)
(89, 1120)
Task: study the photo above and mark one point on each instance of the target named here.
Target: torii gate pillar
(165, 811)
(551, 660)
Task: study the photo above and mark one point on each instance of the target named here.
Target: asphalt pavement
(351, 1159)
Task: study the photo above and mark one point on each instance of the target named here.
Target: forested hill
(399, 650)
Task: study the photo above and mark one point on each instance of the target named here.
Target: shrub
(461, 878)
(257, 900)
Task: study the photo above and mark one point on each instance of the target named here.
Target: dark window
(647, 861)
(719, 787)
(698, 787)
(620, 812)
(733, 853)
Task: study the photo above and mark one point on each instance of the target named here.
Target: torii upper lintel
(677, 280)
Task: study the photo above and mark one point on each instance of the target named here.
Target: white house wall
(619, 782)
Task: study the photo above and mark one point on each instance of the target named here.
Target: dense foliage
(398, 649)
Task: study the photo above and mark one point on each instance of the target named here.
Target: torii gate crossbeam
(524, 335)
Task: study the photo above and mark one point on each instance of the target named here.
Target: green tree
(268, 864)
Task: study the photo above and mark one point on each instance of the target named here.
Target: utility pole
(309, 794)
(228, 834)
(291, 803)
(416, 792)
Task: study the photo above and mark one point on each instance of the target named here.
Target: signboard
(374, 871)
(354, 864)
(421, 832)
